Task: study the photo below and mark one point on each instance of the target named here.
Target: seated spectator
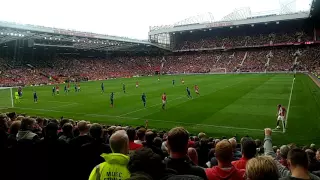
(298, 164)
(83, 137)
(14, 128)
(283, 155)
(318, 155)
(178, 159)
(26, 128)
(236, 154)
(115, 165)
(90, 153)
(248, 150)
(149, 143)
(132, 135)
(203, 151)
(141, 136)
(262, 168)
(67, 133)
(193, 155)
(144, 162)
(224, 170)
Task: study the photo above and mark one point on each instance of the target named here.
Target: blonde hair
(262, 168)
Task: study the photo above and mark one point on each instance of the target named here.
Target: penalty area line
(289, 103)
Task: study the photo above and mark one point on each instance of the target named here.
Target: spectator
(314, 165)
(248, 150)
(224, 170)
(26, 128)
(83, 137)
(318, 155)
(115, 165)
(54, 155)
(144, 162)
(236, 154)
(67, 133)
(178, 159)
(90, 152)
(132, 135)
(203, 151)
(150, 143)
(262, 168)
(298, 164)
(14, 128)
(141, 136)
(193, 155)
(283, 155)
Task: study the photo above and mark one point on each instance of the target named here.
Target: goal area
(6, 97)
(218, 71)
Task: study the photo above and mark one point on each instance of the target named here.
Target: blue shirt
(111, 97)
(102, 85)
(188, 90)
(35, 95)
(143, 97)
(123, 86)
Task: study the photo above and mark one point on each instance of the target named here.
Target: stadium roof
(229, 22)
(315, 9)
(54, 37)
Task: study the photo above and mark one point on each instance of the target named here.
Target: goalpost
(6, 97)
(219, 70)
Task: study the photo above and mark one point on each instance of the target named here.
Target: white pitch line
(71, 104)
(289, 103)
(148, 107)
(150, 120)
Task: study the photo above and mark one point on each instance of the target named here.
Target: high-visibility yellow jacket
(115, 168)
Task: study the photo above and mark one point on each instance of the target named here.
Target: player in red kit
(281, 116)
(196, 89)
(57, 90)
(164, 100)
(137, 84)
(182, 81)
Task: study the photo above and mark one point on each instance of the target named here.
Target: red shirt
(164, 97)
(134, 146)
(57, 87)
(217, 173)
(137, 83)
(196, 87)
(240, 164)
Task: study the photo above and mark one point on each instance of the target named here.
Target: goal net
(6, 97)
(218, 70)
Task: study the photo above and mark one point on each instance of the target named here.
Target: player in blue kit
(144, 99)
(75, 88)
(173, 82)
(53, 90)
(102, 88)
(35, 97)
(189, 93)
(111, 99)
(65, 89)
(124, 88)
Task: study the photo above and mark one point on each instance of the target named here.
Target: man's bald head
(224, 151)
(119, 142)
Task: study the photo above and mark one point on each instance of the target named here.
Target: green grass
(229, 104)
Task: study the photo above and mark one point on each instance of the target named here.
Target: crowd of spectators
(243, 41)
(243, 60)
(40, 148)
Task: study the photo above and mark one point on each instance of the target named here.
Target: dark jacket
(184, 166)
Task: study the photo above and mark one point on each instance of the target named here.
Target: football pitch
(228, 105)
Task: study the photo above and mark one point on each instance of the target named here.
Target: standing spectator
(132, 135)
(115, 165)
(262, 168)
(26, 128)
(178, 159)
(224, 170)
(141, 136)
(90, 153)
(314, 165)
(67, 133)
(83, 137)
(3, 131)
(248, 149)
(298, 164)
(203, 150)
(193, 155)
